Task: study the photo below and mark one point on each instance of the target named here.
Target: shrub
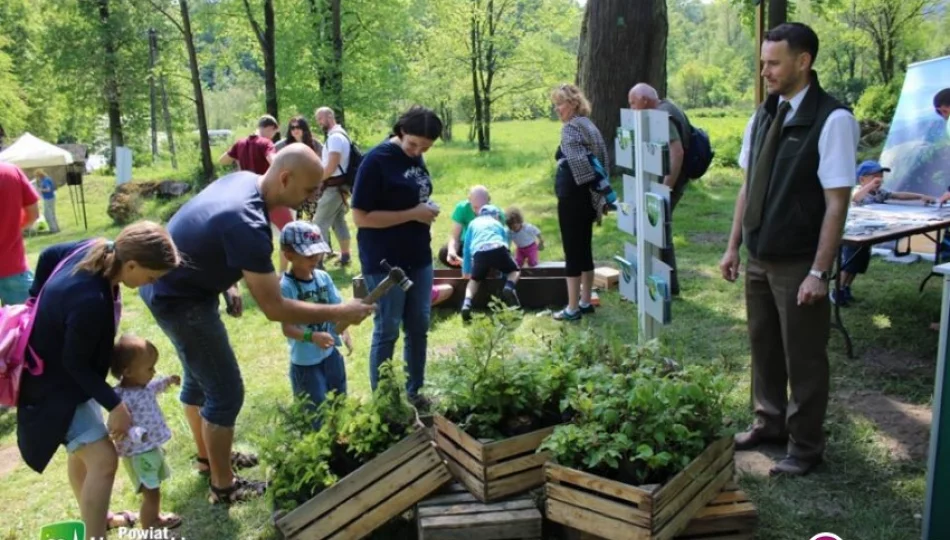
(878, 102)
(304, 461)
(494, 391)
(727, 150)
(638, 417)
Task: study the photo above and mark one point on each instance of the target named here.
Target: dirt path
(9, 460)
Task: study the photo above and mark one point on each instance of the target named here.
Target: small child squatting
(486, 249)
(133, 363)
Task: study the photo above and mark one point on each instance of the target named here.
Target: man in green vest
(643, 97)
(798, 153)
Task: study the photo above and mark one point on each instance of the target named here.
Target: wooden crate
(372, 495)
(541, 287)
(606, 277)
(455, 514)
(492, 470)
(730, 516)
(618, 511)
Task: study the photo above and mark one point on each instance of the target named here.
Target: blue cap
(870, 167)
(490, 210)
(304, 238)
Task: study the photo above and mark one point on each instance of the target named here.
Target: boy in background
(855, 260)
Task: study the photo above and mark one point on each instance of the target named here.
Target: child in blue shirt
(48, 189)
(316, 366)
(485, 248)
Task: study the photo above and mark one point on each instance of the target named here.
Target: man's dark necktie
(762, 173)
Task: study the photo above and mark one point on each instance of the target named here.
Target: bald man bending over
(643, 97)
(464, 213)
(224, 236)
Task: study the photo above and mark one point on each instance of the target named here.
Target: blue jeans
(410, 308)
(15, 289)
(211, 376)
(318, 380)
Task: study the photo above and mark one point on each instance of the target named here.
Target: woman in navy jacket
(73, 333)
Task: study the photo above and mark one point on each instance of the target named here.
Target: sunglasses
(296, 126)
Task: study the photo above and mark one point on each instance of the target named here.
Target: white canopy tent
(31, 152)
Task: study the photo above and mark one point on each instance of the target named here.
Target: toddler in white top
(527, 238)
(133, 363)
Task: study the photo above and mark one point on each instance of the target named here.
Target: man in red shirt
(18, 211)
(255, 153)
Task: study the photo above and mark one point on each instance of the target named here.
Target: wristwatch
(823, 275)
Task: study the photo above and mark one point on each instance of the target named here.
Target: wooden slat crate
(538, 288)
(493, 470)
(730, 516)
(372, 495)
(606, 277)
(618, 511)
(455, 514)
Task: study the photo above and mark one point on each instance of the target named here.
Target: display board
(642, 147)
(917, 149)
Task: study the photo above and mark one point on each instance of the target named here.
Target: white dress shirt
(837, 145)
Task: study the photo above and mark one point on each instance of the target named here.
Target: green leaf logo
(64, 530)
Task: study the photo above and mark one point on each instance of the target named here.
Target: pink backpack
(16, 323)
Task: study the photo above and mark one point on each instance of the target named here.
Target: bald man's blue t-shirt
(221, 232)
(390, 180)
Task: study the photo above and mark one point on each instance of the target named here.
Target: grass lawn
(868, 489)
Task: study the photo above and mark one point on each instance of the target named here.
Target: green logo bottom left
(64, 530)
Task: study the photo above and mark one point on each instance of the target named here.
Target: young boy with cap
(316, 366)
(486, 249)
(855, 260)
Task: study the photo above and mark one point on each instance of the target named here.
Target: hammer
(396, 277)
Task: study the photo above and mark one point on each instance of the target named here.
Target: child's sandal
(128, 520)
(241, 490)
(168, 521)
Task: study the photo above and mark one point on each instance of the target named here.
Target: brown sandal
(241, 490)
(168, 521)
(239, 460)
(129, 519)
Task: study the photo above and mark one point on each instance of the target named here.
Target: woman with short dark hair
(394, 215)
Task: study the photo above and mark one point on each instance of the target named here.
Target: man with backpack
(690, 156)
(341, 159)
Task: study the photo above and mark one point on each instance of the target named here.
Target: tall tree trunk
(336, 66)
(477, 124)
(111, 83)
(152, 99)
(207, 166)
(169, 132)
(488, 71)
(778, 12)
(615, 30)
(265, 39)
(445, 112)
(270, 60)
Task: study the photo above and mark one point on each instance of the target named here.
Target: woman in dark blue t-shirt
(392, 210)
